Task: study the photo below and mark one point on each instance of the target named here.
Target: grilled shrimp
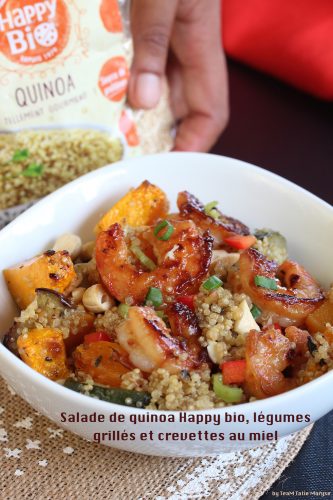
(267, 355)
(301, 339)
(297, 294)
(184, 325)
(223, 227)
(181, 262)
(151, 345)
(295, 278)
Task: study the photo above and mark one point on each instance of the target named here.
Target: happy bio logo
(32, 32)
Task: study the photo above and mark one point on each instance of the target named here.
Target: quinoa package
(64, 70)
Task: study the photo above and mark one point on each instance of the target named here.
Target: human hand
(181, 39)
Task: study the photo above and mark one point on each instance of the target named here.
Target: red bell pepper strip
(187, 300)
(96, 337)
(240, 242)
(233, 372)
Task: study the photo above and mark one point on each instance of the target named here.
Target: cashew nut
(96, 300)
(70, 242)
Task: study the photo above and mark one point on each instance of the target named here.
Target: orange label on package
(33, 31)
(63, 64)
(110, 16)
(113, 78)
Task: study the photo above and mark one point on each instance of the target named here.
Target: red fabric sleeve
(289, 39)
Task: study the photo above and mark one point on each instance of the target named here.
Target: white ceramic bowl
(255, 196)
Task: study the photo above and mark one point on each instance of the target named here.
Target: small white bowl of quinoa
(216, 396)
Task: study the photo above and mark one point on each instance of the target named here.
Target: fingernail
(147, 90)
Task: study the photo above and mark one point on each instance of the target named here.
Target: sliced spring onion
(265, 282)
(145, 261)
(167, 234)
(214, 213)
(225, 392)
(154, 296)
(210, 209)
(255, 311)
(212, 283)
(123, 310)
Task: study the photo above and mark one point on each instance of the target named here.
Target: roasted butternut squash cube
(44, 351)
(142, 206)
(53, 270)
(104, 361)
(317, 321)
(81, 325)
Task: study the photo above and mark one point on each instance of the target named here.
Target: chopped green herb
(123, 310)
(154, 296)
(255, 311)
(265, 282)
(33, 170)
(212, 283)
(145, 261)
(167, 234)
(20, 155)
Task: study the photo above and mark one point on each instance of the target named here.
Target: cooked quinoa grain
(319, 362)
(108, 321)
(272, 244)
(217, 312)
(61, 156)
(176, 392)
(65, 319)
(134, 381)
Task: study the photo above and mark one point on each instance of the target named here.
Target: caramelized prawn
(185, 327)
(223, 227)
(267, 355)
(295, 278)
(182, 262)
(151, 345)
(300, 339)
(297, 294)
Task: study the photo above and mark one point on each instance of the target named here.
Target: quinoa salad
(171, 311)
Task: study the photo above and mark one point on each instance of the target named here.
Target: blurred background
(280, 59)
(281, 129)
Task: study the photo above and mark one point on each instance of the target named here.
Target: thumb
(151, 23)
